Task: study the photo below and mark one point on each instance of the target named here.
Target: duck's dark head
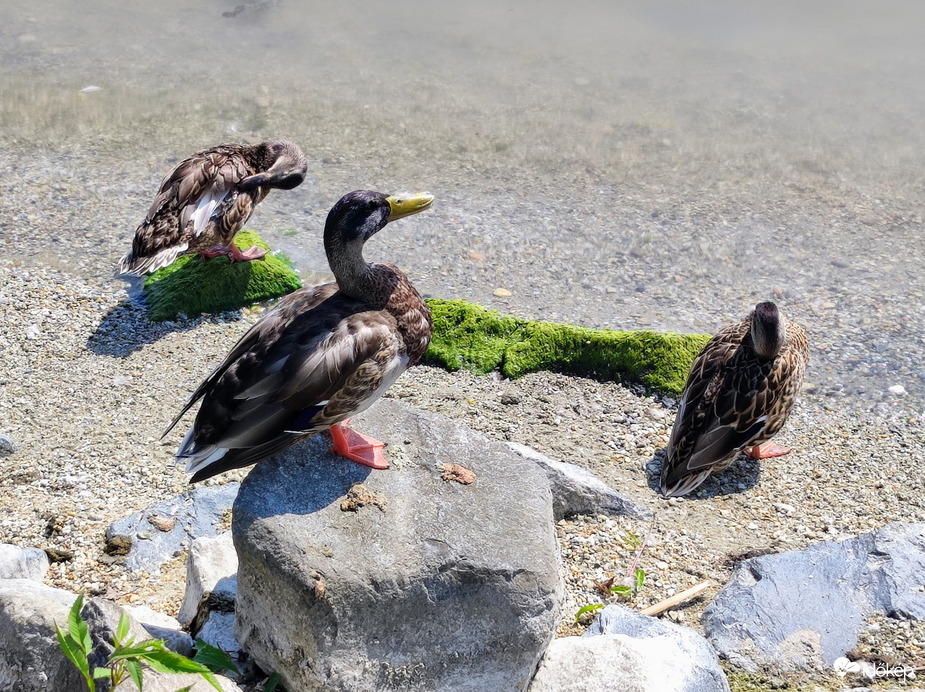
(356, 218)
(769, 330)
(282, 165)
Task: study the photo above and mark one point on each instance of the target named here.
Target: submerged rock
(191, 286)
(412, 581)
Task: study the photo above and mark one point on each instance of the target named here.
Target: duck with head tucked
(206, 199)
(324, 354)
(739, 393)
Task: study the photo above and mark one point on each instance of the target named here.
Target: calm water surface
(662, 164)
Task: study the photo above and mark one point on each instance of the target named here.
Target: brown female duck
(739, 393)
(206, 199)
(325, 353)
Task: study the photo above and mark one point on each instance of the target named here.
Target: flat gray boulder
(578, 491)
(802, 610)
(22, 563)
(626, 651)
(441, 573)
(153, 536)
(30, 658)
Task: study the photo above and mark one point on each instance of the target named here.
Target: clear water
(662, 164)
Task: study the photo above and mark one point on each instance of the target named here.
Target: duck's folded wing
(272, 394)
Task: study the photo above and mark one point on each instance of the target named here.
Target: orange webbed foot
(357, 447)
(248, 255)
(766, 451)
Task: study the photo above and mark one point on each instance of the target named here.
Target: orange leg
(252, 253)
(358, 447)
(216, 251)
(766, 451)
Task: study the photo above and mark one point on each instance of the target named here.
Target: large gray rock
(30, 658)
(801, 610)
(410, 581)
(162, 626)
(22, 563)
(161, 532)
(626, 651)
(102, 618)
(578, 491)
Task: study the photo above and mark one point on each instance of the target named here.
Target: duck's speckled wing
(196, 190)
(317, 359)
(733, 399)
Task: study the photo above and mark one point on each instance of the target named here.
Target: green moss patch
(469, 336)
(191, 285)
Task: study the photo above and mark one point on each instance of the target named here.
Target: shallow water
(661, 164)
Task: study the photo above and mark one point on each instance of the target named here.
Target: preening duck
(325, 353)
(206, 199)
(740, 391)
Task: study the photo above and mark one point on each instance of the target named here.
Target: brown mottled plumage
(739, 393)
(325, 353)
(206, 199)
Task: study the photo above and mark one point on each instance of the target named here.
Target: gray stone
(618, 663)
(217, 629)
(30, 658)
(22, 563)
(578, 491)
(626, 650)
(7, 446)
(802, 610)
(408, 581)
(211, 569)
(102, 618)
(162, 626)
(163, 531)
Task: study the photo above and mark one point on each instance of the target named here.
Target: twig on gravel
(677, 599)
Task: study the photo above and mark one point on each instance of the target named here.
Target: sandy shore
(89, 384)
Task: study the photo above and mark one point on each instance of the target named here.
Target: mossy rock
(469, 336)
(191, 285)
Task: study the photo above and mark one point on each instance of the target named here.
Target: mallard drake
(740, 391)
(324, 354)
(206, 199)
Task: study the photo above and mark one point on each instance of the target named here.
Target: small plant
(125, 661)
(213, 658)
(590, 608)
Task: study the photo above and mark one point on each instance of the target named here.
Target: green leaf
(73, 651)
(185, 689)
(171, 662)
(272, 682)
(632, 539)
(640, 578)
(100, 673)
(622, 590)
(122, 629)
(77, 628)
(213, 658)
(134, 669)
(590, 608)
(140, 649)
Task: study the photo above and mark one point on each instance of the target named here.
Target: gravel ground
(658, 165)
(89, 385)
